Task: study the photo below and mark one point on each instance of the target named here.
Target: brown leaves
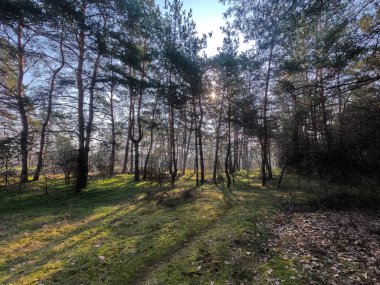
(331, 247)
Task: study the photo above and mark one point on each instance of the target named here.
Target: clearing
(124, 232)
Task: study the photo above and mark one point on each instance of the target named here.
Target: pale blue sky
(208, 15)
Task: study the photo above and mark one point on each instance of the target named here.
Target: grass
(105, 235)
(122, 232)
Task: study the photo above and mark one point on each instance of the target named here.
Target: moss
(280, 269)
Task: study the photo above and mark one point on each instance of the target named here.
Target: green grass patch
(122, 232)
(106, 235)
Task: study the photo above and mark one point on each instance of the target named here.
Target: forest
(129, 155)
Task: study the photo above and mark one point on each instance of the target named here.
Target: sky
(208, 16)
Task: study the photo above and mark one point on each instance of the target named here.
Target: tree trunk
(227, 165)
(264, 150)
(113, 135)
(217, 142)
(227, 162)
(187, 147)
(148, 153)
(202, 181)
(173, 161)
(281, 175)
(269, 164)
(48, 114)
(196, 161)
(202, 164)
(21, 105)
(23, 141)
(81, 177)
(151, 139)
(90, 116)
(325, 130)
(126, 155)
(131, 164)
(235, 166)
(137, 166)
(136, 141)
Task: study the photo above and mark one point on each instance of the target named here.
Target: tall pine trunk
(264, 149)
(126, 153)
(200, 140)
(151, 139)
(84, 131)
(113, 135)
(81, 176)
(217, 142)
(173, 160)
(227, 162)
(21, 104)
(48, 114)
(90, 117)
(187, 147)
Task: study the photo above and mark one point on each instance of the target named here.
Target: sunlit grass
(114, 234)
(106, 231)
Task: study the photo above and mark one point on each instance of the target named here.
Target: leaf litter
(330, 247)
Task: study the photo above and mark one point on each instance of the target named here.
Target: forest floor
(123, 232)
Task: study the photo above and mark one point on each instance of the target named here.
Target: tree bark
(81, 177)
(126, 153)
(151, 139)
(113, 135)
(187, 147)
(202, 165)
(90, 121)
(48, 114)
(137, 156)
(21, 104)
(131, 164)
(269, 163)
(173, 160)
(264, 149)
(136, 141)
(217, 142)
(227, 162)
(196, 162)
